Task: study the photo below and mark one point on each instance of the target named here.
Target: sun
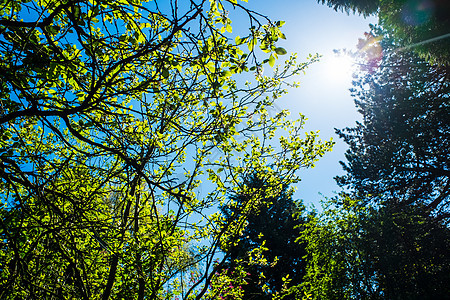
(338, 68)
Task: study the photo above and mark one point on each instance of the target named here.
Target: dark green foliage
(401, 150)
(393, 241)
(422, 26)
(391, 252)
(409, 253)
(364, 7)
(274, 225)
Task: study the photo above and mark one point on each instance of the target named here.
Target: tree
(364, 7)
(400, 152)
(112, 113)
(419, 26)
(335, 267)
(273, 225)
(388, 237)
(389, 252)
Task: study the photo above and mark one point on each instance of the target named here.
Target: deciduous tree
(112, 113)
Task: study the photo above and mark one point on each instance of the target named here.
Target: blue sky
(323, 95)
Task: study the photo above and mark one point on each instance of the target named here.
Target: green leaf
(280, 51)
(165, 73)
(271, 61)
(251, 44)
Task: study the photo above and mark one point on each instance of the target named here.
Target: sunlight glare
(338, 69)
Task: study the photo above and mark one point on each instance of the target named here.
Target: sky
(323, 95)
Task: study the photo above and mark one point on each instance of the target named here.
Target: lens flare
(370, 49)
(417, 12)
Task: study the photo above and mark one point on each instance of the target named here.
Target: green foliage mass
(421, 26)
(273, 225)
(389, 252)
(388, 237)
(112, 114)
(364, 7)
(401, 149)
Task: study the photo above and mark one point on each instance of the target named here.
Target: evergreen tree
(401, 150)
(420, 26)
(272, 226)
(389, 238)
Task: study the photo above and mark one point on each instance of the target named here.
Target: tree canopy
(421, 26)
(387, 235)
(142, 156)
(364, 7)
(357, 251)
(400, 151)
(112, 114)
(273, 224)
